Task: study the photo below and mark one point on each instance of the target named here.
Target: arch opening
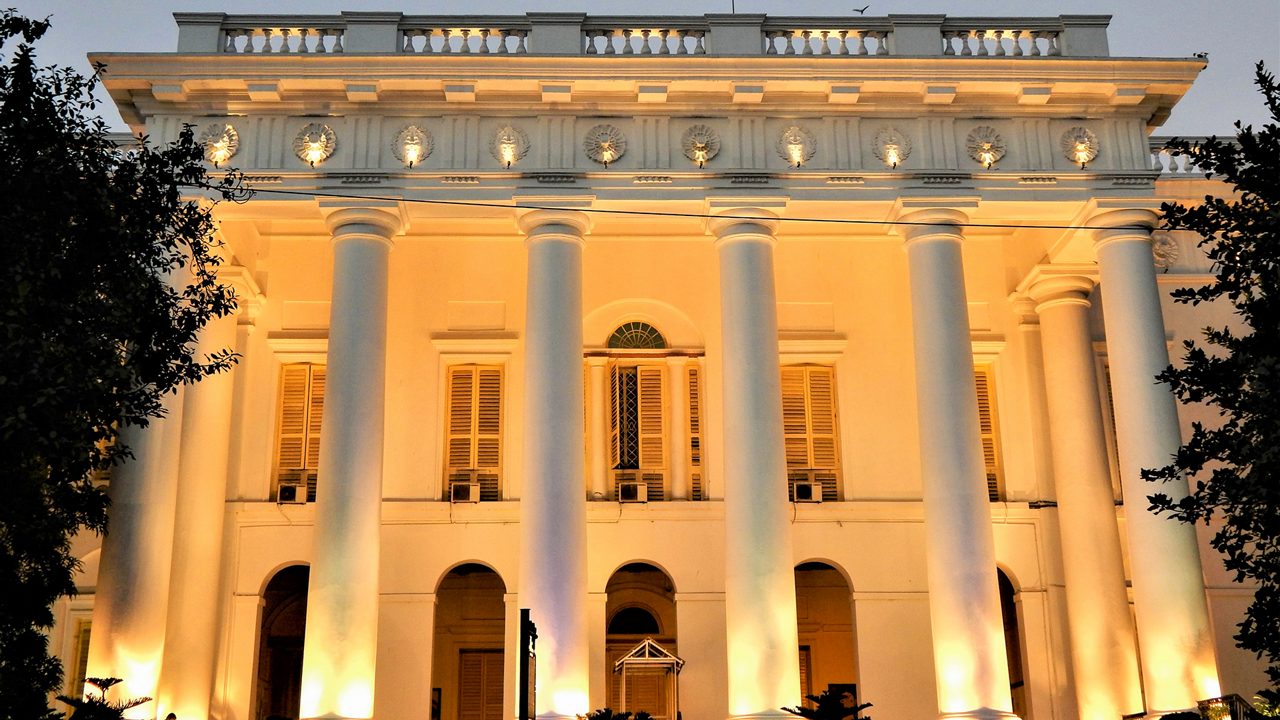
(281, 632)
(467, 647)
(1013, 643)
(640, 603)
(827, 632)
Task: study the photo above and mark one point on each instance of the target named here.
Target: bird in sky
(862, 10)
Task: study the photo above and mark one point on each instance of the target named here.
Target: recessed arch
(466, 567)
(636, 335)
(276, 570)
(826, 628)
(639, 566)
(848, 579)
(1014, 641)
(640, 603)
(281, 635)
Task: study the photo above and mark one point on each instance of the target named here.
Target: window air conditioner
(464, 492)
(633, 492)
(807, 491)
(291, 491)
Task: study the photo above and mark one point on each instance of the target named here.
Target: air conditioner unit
(633, 492)
(807, 491)
(464, 492)
(291, 491)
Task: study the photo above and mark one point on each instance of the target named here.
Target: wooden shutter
(480, 685)
(292, 439)
(984, 380)
(695, 432)
(474, 428)
(806, 674)
(650, 412)
(809, 427)
(616, 416)
(301, 416)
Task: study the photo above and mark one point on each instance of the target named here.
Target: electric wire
(686, 215)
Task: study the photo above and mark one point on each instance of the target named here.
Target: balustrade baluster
(1000, 43)
(681, 39)
(700, 43)
(982, 43)
(337, 40)
(882, 42)
(645, 49)
(663, 48)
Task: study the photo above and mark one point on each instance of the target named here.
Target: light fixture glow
(508, 145)
(987, 156)
(1080, 146)
(796, 145)
(315, 143)
(220, 143)
(412, 145)
(1082, 154)
(892, 155)
(701, 143)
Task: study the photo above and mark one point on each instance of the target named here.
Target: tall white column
(599, 429)
(191, 635)
(1104, 656)
(760, 592)
(964, 601)
(406, 644)
(132, 596)
(341, 644)
(678, 428)
(1175, 637)
(553, 510)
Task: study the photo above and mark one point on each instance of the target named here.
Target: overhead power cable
(694, 216)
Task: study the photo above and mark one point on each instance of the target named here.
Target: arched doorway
(467, 664)
(824, 619)
(280, 636)
(640, 603)
(1013, 645)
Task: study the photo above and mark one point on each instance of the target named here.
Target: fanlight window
(636, 336)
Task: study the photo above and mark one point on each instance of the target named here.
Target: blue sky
(1235, 33)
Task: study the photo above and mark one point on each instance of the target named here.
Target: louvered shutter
(822, 429)
(315, 418)
(480, 685)
(616, 417)
(984, 382)
(650, 411)
(695, 432)
(474, 428)
(301, 414)
(646, 692)
(292, 438)
(809, 428)
(488, 432)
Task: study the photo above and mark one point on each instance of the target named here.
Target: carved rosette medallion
(509, 145)
(891, 146)
(796, 145)
(220, 142)
(412, 145)
(604, 144)
(1164, 250)
(1079, 145)
(985, 145)
(315, 143)
(701, 143)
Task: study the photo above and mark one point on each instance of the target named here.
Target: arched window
(1013, 643)
(636, 336)
(280, 639)
(633, 621)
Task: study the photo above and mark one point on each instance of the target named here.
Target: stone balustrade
(1167, 162)
(444, 40)
(581, 34)
(644, 41)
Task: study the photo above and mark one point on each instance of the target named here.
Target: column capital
(553, 224)
(1126, 224)
(374, 221)
(736, 223)
(935, 223)
(249, 297)
(1055, 284)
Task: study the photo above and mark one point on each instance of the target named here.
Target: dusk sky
(1235, 33)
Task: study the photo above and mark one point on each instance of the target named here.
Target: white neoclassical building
(754, 355)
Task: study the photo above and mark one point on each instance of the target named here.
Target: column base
(770, 715)
(979, 714)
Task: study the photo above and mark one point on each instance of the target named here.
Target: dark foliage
(608, 714)
(829, 706)
(98, 707)
(108, 275)
(1235, 464)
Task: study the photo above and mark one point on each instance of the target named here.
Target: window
(984, 380)
(473, 452)
(638, 443)
(809, 428)
(301, 412)
(695, 433)
(75, 679)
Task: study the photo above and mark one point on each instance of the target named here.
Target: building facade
(754, 355)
